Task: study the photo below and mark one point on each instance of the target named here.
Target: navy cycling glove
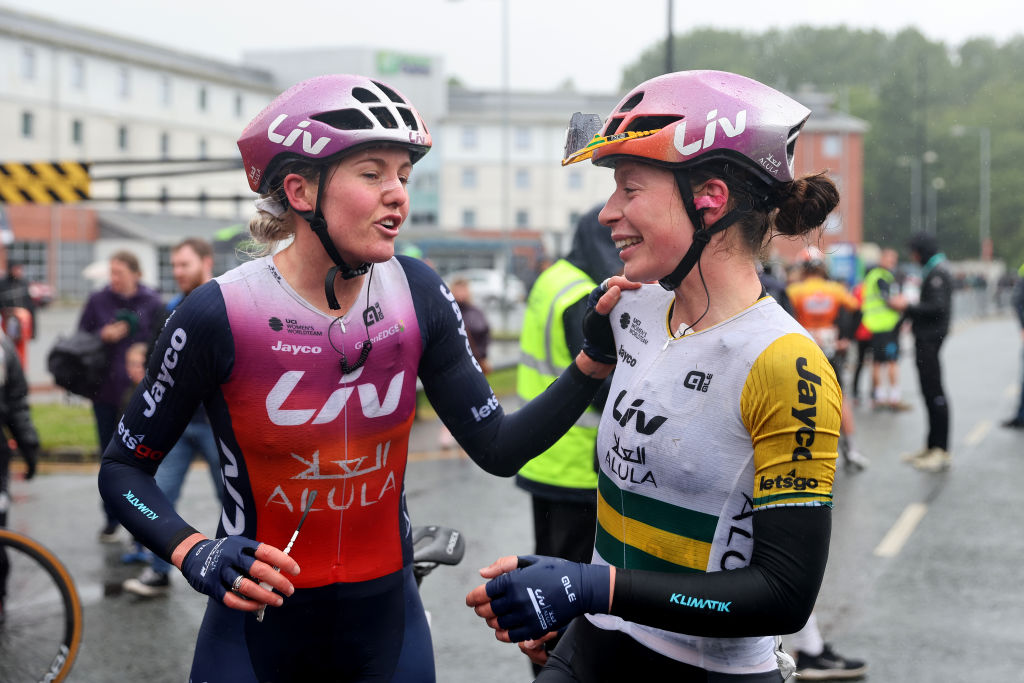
(598, 340)
(211, 566)
(546, 593)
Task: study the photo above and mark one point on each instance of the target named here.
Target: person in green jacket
(884, 324)
(562, 481)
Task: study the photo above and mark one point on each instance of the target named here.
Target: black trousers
(929, 374)
(588, 654)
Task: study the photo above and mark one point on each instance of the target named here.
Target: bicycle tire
(41, 627)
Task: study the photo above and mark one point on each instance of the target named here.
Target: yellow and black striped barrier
(43, 182)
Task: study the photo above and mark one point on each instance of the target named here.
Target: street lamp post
(984, 188)
(932, 202)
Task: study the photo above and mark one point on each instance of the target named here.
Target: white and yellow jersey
(698, 434)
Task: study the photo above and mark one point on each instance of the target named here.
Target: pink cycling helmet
(690, 117)
(324, 117)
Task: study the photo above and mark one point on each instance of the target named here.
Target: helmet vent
(408, 117)
(631, 102)
(613, 125)
(794, 132)
(392, 95)
(345, 119)
(651, 122)
(364, 95)
(384, 116)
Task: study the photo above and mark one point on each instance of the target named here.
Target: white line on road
(978, 433)
(901, 530)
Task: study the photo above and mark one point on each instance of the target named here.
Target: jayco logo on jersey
(806, 394)
(698, 381)
(626, 357)
(308, 146)
(462, 325)
(164, 379)
(710, 132)
(295, 349)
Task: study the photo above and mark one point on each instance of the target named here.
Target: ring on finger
(237, 584)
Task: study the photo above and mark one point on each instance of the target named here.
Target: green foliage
(912, 92)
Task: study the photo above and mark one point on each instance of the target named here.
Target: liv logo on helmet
(710, 131)
(308, 146)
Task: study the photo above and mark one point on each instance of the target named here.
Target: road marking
(978, 433)
(893, 541)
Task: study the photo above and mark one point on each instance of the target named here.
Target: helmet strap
(701, 234)
(318, 224)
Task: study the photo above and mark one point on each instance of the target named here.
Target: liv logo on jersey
(643, 425)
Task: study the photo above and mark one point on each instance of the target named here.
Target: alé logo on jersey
(698, 381)
(714, 122)
(369, 400)
(287, 140)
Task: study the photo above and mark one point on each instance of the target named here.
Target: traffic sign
(43, 182)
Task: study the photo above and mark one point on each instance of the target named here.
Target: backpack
(78, 363)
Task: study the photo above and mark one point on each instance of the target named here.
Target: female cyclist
(717, 445)
(306, 361)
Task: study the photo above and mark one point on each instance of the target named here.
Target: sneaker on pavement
(109, 533)
(856, 459)
(828, 666)
(149, 584)
(937, 460)
(915, 456)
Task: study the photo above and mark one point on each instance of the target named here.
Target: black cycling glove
(598, 340)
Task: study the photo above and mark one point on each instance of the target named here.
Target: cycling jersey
(817, 303)
(701, 435)
(288, 422)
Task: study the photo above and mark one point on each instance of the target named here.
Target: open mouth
(627, 242)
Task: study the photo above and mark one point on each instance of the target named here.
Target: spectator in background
(883, 322)
(14, 414)
(1017, 301)
(562, 481)
(122, 313)
(14, 293)
(862, 342)
(192, 266)
(929, 320)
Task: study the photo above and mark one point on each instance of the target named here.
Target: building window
(575, 180)
(166, 90)
(469, 137)
(239, 105)
(202, 98)
(469, 177)
(522, 137)
(28, 125)
(203, 151)
(122, 138)
(124, 82)
(31, 255)
(574, 218)
(77, 73)
(165, 196)
(522, 178)
(469, 218)
(165, 145)
(522, 218)
(832, 146)
(76, 131)
(28, 63)
(166, 283)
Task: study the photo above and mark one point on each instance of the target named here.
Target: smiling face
(647, 219)
(366, 201)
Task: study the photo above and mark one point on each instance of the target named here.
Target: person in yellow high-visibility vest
(884, 324)
(562, 481)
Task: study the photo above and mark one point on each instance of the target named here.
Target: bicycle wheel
(40, 613)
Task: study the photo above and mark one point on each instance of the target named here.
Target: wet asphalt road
(945, 603)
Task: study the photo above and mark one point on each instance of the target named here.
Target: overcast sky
(550, 40)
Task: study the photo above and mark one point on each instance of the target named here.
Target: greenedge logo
(395, 62)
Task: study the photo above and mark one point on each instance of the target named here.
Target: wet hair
(792, 209)
(267, 229)
(129, 259)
